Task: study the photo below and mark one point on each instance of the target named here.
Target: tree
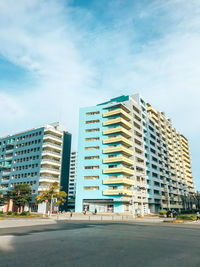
(52, 193)
(20, 194)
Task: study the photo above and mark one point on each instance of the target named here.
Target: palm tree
(53, 193)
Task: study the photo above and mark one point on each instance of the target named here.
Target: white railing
(52, 144)
(52, 152)
(49, 178)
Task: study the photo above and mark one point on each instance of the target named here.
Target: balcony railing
(52, 144)
(50, 162)
(118, 159)
(118, 129)
(48, 178)
(118, 181)
(119, 111)
(119, 170)
(46, 169)
(118, 139)
(118, 192)
(53, 137)
(120, 121)
(51, 152)
(120, 148)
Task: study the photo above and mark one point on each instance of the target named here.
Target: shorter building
(38, 157)
(72, 180)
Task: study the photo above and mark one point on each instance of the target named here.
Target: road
(97, 244)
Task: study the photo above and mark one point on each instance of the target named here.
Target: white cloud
(78, 59)
(10, 109)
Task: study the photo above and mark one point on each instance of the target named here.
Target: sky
(59, 55)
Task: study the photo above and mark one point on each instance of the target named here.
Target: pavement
(99, 243)
(19, 222)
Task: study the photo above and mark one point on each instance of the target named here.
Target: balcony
(9, 147)
(52, 132)
(49, 170)
(6, 173)
(50, 162)
(117, 192)
(120, 148)
(51, 153)
(5, 181)
(52, 145)
(48, 179)
(124, 170)
(53, 138)
(120, 121)
(155, 117)
(118, 159)
(2, 188)
(118, 181)
(118, 139)
(118, 111)
(43, 188)
(119, 129)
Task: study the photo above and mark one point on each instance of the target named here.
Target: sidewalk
(106, 217)
(20, 222)
(15, 222)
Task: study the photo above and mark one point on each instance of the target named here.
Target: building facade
(72, 180)
(72, 175)
(37, 157)
(169, 162)
(125, 162)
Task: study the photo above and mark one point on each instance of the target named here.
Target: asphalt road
(93, 244)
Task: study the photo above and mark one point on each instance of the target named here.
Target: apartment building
(125, 163)
(72, 180)
(72, 175)
(111, 172)
(37, 157)
(169, 165)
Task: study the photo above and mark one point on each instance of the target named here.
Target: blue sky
(59, 55)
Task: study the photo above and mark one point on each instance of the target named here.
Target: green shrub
(1, 212)
(25, 213)
(187, 211)
(9, 213)
(163, 212)
(189, 217)
(15, 213)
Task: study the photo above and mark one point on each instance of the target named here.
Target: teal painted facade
(83, 197)
(23, 159)
(17, 150)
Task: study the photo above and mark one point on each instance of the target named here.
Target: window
(154, 166)
(92, 157)
(91, 147)
(92, 130)
(137, 118)
(136, 125)
(151, 128)
(92, 113)
(152, 143)
(112, 166)
(91, 167)
(92, 139)
(93, 121)
(137, 142)
(153, 136)
(91, 188)
(136, 109)
(91, 177)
